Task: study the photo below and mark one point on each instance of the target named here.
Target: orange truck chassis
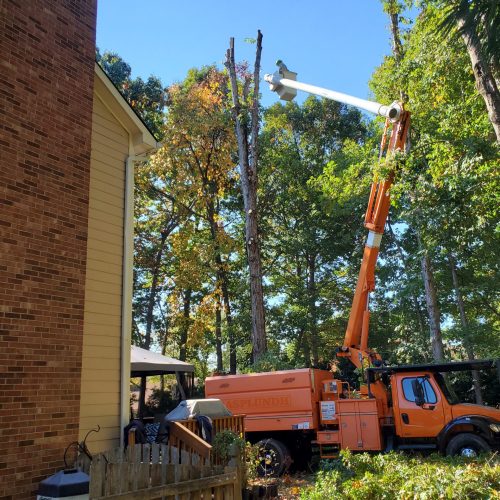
(406, 407)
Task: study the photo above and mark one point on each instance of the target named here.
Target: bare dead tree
(246, 119)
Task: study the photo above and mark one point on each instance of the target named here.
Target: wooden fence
(234, 423)
(161, 471)
(184, 469)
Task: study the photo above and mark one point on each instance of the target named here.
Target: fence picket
(156, 475)
(97, 477)
(162, 471)
(155, 453)
(165, 455)
(146, 453)
(185, 457)
(174, 455)
(113, 479)
(133, 468)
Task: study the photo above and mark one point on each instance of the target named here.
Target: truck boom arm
(284, 82)
(280, 84)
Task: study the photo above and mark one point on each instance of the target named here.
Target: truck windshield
(446, 389)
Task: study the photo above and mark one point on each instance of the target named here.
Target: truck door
(421, 412)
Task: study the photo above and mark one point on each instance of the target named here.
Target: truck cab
(427, 414)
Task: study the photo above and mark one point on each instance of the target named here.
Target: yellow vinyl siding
(103, 276)
(94, 412)
(105, 297)
(103, 174)
(100, 388)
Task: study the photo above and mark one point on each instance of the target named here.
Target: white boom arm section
(283, 82)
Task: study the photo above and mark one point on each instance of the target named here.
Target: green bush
(225, 444)
(399, 476)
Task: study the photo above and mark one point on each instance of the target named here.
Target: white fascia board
(143, 140)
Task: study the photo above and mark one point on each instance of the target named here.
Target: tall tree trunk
(302, 345)
(393, 9)
(142, 397)
(299, 345)
(432, 308)
(181, 377)
(229, 322)
(186, 320)
(222, 281)
(312, 293)
(163, 351)
(153, 290)
(465, 324)
(306, 348)
(248, 130)
(218, 334)
(164, 343)
(485, 81)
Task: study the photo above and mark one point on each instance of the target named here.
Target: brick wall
(46, 81)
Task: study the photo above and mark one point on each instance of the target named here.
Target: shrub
(398, 476)
(226, 444)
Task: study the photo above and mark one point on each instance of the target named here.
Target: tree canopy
(316, 162)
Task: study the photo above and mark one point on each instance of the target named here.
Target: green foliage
(226, 444)
(481, 17)
(161, 401)
(306, 225)
(398, 476)
(446, 190)
(269, 362)
(146, 97)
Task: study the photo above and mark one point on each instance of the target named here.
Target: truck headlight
(495, 427)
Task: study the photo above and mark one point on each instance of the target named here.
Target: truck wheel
(274, 458)
(467, 445)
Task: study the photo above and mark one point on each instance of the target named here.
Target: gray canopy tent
(144, 363)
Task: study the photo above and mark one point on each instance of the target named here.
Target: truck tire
(274, 458)
(467, 445)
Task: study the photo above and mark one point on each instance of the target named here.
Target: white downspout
(128, 263)
(127, 284)
(127, 289)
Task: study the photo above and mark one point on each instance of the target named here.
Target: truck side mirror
(418, 391)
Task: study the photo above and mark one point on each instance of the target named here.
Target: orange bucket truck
(400, 407)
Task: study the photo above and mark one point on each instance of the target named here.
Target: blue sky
(334, 44)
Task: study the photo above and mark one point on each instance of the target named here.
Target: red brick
(46, 80)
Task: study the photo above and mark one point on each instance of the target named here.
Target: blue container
(70, 484)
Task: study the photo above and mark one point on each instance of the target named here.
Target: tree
(306, 231)
(444, 189)
(246, 119)
(155, 220)
(394, 10)
(146, 97)
(478, 24)
(197, 153)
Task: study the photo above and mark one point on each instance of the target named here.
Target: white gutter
(279, 84)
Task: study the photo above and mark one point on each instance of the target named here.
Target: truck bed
(271, 401)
